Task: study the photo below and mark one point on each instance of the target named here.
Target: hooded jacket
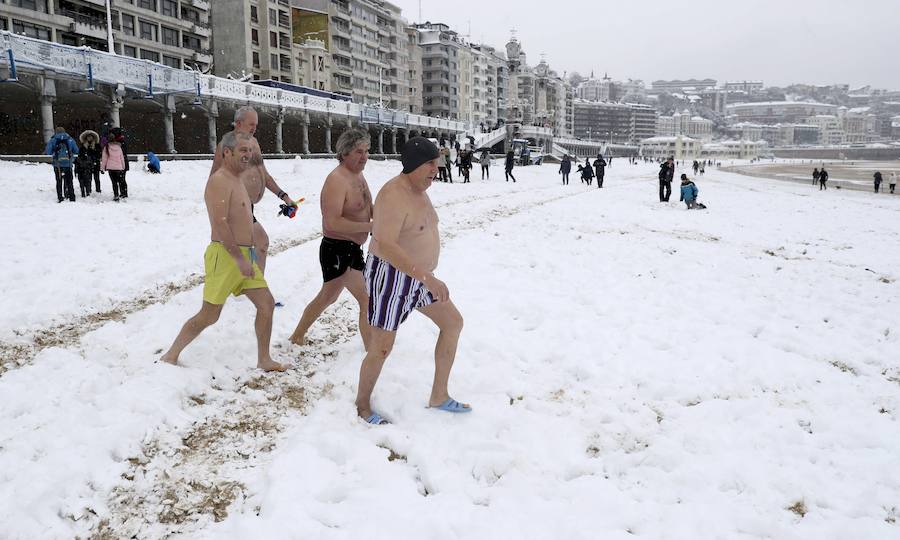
(63, 149)
(666, 173)
(689, 191)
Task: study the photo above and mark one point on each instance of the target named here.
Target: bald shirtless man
(346, 223)
(230, 259)
(399, 277)
(256, 178)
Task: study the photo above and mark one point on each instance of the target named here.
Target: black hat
(416, 152)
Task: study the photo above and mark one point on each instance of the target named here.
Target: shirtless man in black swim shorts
(256, 178)
(346, 223)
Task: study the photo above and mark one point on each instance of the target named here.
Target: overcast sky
(780, 42)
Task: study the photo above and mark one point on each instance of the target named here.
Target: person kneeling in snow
(689, 193)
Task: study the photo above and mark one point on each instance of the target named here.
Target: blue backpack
(61, 154)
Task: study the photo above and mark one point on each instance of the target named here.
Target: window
(170, 8)
(254, 36)
(189, 14)
(285, 63)
(189, 41)
(34, 5)
(149, 31)
(171, 61)
(147, 4)
(273, 61)
(256, 59)
(170, 36)
(32, 30)
(4, 25)
(149, 55)
(128, 25)
(273, 17)
(254, 14)
(128, 50)
(273, 39)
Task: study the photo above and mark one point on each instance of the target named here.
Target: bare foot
(169, 358)
(298, 339)
(270, 365)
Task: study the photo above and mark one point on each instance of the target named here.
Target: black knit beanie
(416, 152)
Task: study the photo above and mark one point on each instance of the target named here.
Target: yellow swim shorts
(223, 277)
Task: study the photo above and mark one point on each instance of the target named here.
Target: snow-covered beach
(636, 370)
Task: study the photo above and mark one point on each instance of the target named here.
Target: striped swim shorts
(392, 294)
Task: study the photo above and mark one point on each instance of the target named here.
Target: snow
(635, 369)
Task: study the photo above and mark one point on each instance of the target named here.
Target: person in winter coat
(64, 151)
(449, 169)
(89, 154)
(587, 172)
(892, 181)
(599, 170)
(442, 164)
(823, 177)
(485, 161)
(878, 180)
(510, 163)
(666, 174)
(565, 167)
(815, 176)
(153, 164)
(465, 164)
(689, 192)
(114, 159)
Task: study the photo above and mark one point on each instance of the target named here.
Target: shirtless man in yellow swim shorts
(256, 177)
(230, 260)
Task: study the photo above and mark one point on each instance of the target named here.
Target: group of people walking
(820, 177)
(588, 171)
(94, 156)
(396, 278)
(892, 181)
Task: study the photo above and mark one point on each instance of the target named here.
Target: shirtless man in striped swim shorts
(399, 277)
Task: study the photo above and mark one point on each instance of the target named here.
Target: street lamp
(109, 36)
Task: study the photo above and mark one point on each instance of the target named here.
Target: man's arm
(218, 201)
(386, 226)
(333, 196)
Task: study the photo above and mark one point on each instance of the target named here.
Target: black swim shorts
(336, 256)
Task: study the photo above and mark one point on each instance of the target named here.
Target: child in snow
(689, 193)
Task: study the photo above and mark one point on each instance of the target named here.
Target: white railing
(155, 79)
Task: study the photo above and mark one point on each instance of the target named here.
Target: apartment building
(467, 102)
(777, 111)
(414, 71)
(616, 123)
(680, 87)
(254, 38)
(682, 123)
(172, 32)
(440, 70)
(494, 75)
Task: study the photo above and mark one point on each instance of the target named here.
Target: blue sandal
(376, 420)
(453, 406)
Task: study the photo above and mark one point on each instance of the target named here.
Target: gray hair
(348, 141)
(242, 112)
(230, 140)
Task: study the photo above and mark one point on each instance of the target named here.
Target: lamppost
(109, 35)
